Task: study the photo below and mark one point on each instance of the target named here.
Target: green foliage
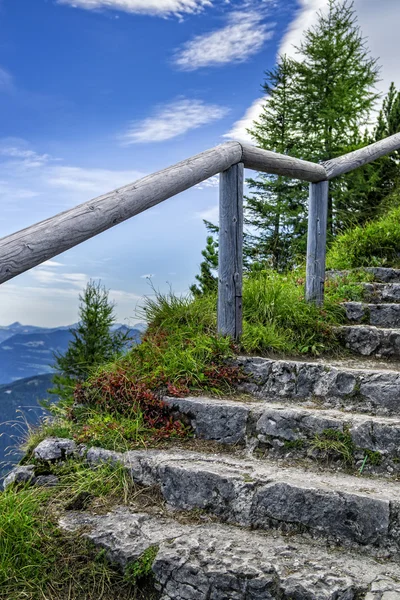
(375, 244)
(336, 79)
(142, 568)
(276, 209)
(207, 280)
(93, 342)
(385, 172)
(277, 318)
(336, 443)
(37, 560)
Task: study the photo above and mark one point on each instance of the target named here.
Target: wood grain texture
(40, 242)
(280, 164)
(316, 241)
(230, 252)
(358, 158)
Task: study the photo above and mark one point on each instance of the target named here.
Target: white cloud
(305, 17)
(147, 276)
(91, 181)
(52, 263)
(6, 80)
(210, 214)
(27, 174)
(146, 7)
(49, 277)
(243, 36)
(212, 182)
(379, 24)
(172, 120)
(54, 306)
(239, 129)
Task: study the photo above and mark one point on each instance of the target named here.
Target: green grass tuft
(373, 245)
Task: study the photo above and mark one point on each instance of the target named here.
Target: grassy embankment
(119, 407)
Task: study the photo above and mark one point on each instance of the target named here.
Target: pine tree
(93, 341)
(276, 210)
(387, 177)
(207, 279)
(335, 89)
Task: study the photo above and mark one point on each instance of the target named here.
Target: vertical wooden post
(316, 241)
(230, 252)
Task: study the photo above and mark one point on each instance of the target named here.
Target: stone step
(221, 562)
(380, 274)
(371, 341)
(324, 385)
(265, 495)
(381, 292)
(261, 426)
(378, 315)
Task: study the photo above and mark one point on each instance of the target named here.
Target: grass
(372, 245)
(119, 406)
(335, 443)
(38, 560)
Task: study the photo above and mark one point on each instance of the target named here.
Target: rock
(20, 474)
(222, 422)
(96, 456)
(358, 389)
(217, 562)
(264, 494)
(52, 449)
(46, 480)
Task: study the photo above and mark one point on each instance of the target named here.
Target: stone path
(287, 522)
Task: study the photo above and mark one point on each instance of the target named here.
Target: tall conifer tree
(335, 89)
(276, 211)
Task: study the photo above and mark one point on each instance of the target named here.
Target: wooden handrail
(34, 245)
(359, 158)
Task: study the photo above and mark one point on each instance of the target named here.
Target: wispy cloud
(242, 37)
(306, 17)
(239, 128)
(6, 81)
(50, 277)
(212, 182)
(172, 120)
(148, 7)
(209, 214)
(147, 276)
(92, 181)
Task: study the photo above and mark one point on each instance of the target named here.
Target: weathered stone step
(221, 562)
(378, 315)
(323, 384)
(262, 495)
(380, 274)
(381, 292)
(371, 341)
(258, 425)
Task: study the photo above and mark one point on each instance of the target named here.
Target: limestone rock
(52, 449)
(217, 562)
(20, 474)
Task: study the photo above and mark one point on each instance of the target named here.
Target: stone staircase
(302, 499)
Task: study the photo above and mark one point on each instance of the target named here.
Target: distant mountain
(27, 350)
(18, 408)
(27, 354)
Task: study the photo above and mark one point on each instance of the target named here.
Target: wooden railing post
(316, 241)
(230, 252)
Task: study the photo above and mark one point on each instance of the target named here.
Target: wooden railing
(33, 245)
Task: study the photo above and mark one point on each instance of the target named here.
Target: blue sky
(97, 93)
